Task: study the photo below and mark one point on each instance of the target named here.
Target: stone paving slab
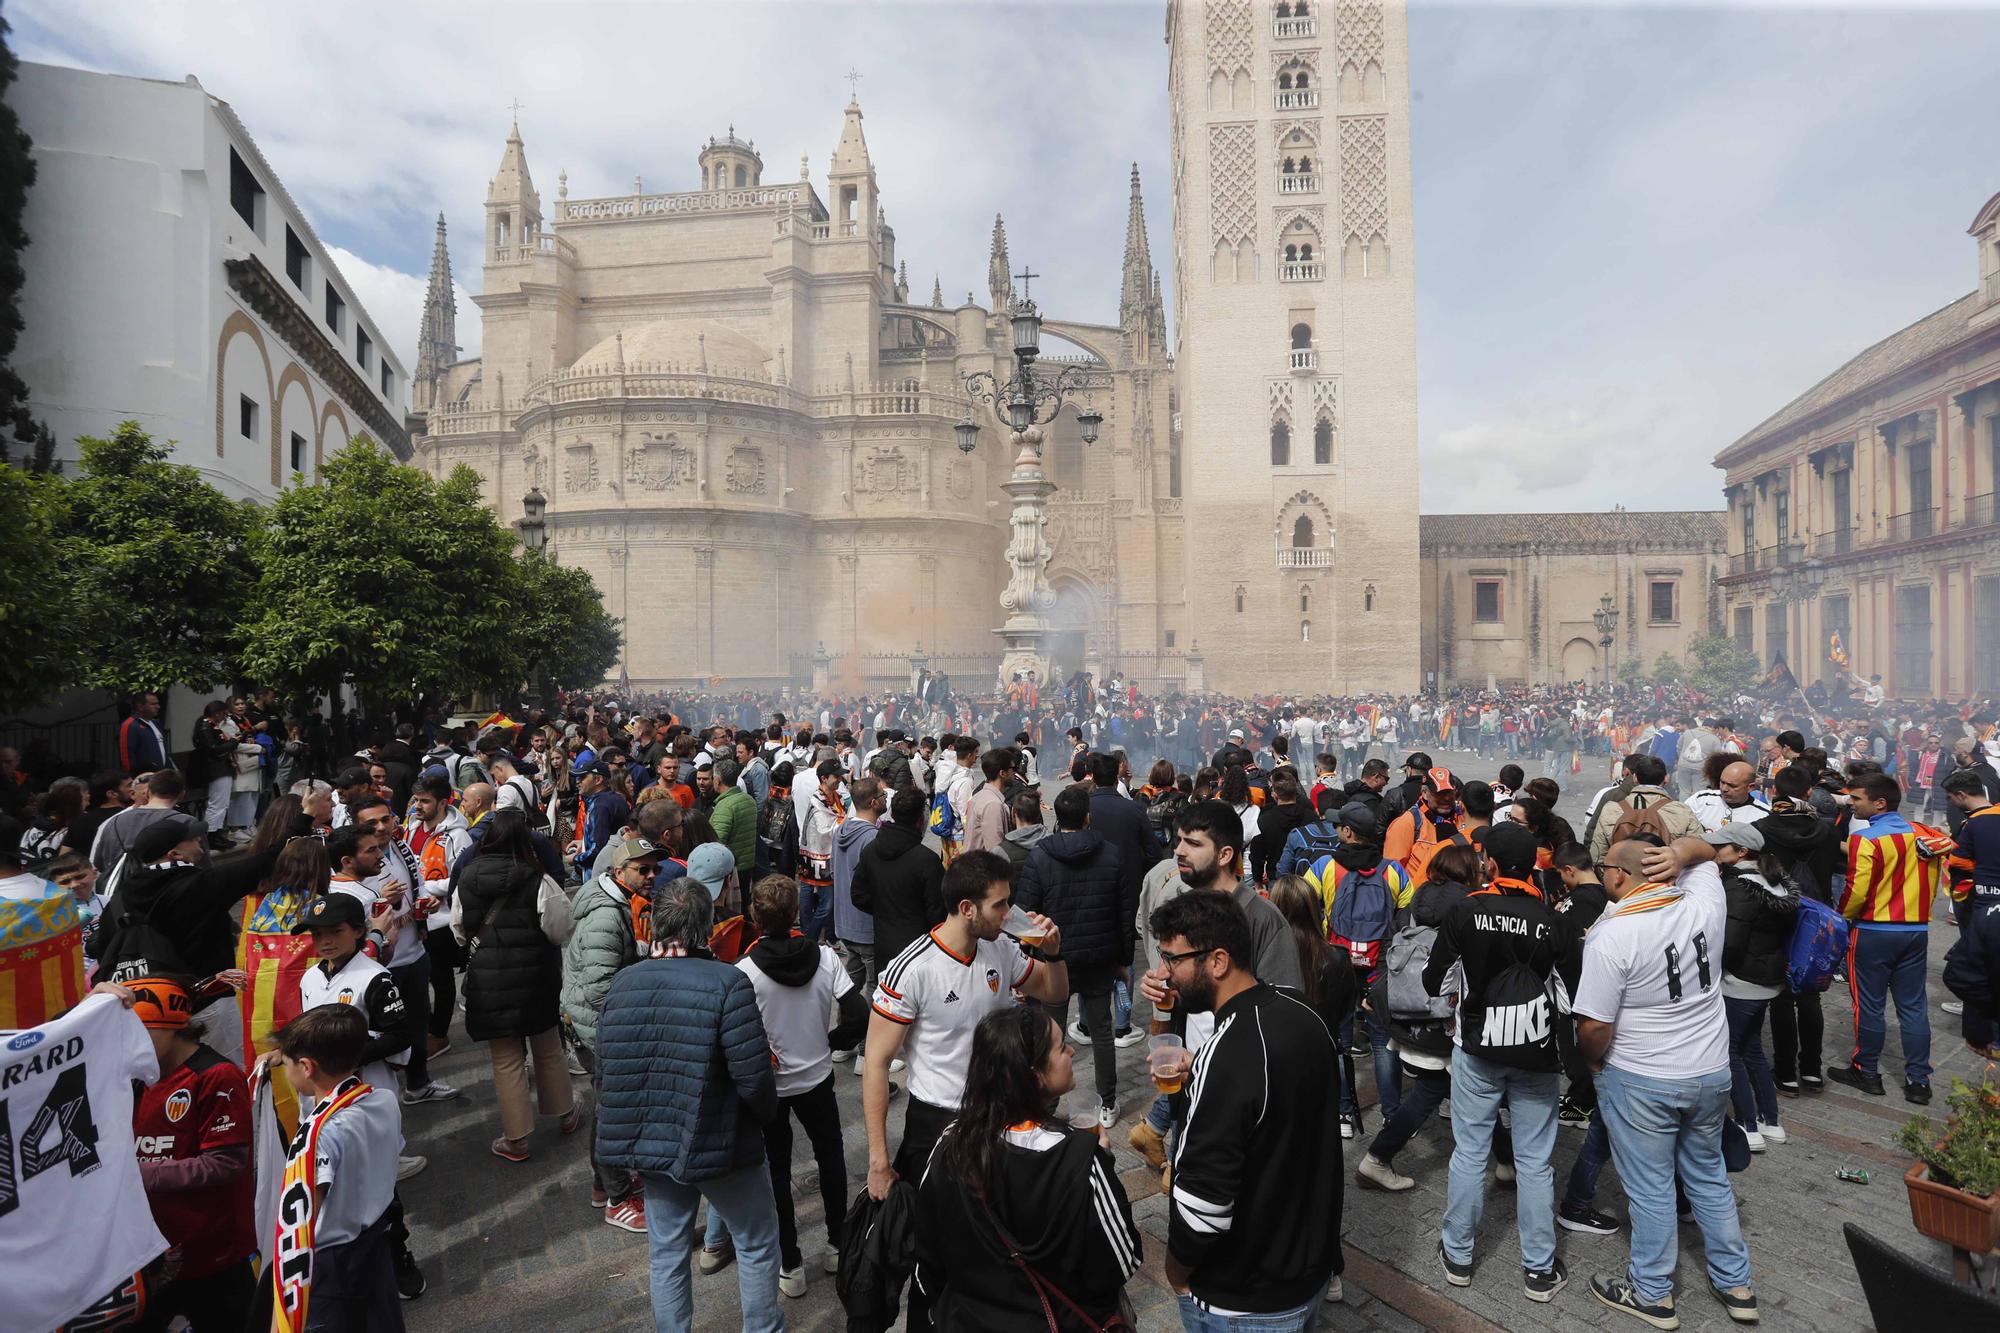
(517, 1248)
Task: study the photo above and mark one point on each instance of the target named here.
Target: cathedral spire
(1136, 294)
(999, 269)
(437, 334)
(937, 292)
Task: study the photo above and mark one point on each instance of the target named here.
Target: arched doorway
(1071, 621)
(1579, 660)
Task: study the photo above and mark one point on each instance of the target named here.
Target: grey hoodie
(850, 923)
(1018, 842)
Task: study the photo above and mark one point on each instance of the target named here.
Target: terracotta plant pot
(1963, 1221)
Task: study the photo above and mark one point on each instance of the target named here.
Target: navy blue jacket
(1076, 879)
(686, 1070)
(1121, 821)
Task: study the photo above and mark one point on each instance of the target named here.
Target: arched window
(1290, 166)
(1306, 253)
(1302, 532)
(1368, 598)
(1305, 600)
(1239, 599)
(1322, 441)
(1284, 10)
(1300, 82)
(1302, 336)
(742, 177)
(1285, 80)
(1281, 444)
(1291, 254)
(1305, 631)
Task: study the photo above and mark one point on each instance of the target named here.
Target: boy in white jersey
(384, 871)
(929, 1000)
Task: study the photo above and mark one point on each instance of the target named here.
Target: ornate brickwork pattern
(1364, 176)
(1358, 29)
(1281, 397)
(1326, 401)
(1282, 133)
(1232, 182)
(1229, 42)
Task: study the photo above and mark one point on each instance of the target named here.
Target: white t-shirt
(79, 1070)
(795, 1020)
(1714, 812)
(409, 944)
(942, 997)
(1657, 975)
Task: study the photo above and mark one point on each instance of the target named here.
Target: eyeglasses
(1170, 959)
(644, 867)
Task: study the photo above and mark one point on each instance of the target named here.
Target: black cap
(331, 909)
(1366, 825)
(1512, 847)
(159, 838)
(1418, 760)
(351, 777)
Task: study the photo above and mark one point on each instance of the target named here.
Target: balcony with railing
(1301, 270)
(1297, 99)
(1981, 510)
(1750, 562)
(1305, 360)
(1298, 182)
(1912, 526)
(1285, 29)
(1838, 542)
(1305, 557)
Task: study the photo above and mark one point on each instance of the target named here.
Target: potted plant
(1955, 1185)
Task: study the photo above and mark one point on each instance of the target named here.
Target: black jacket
(899, 881)
(878, 1250)
(1488, 931)
(1972, 967)
(1275, 823)
(513, 980)
(1074, 877)
(1359, 792)
(1760, 927)
(1121, 821)
(1802, 840)
(213, 757)
(399, 764)
(188, 905)
(1255, 1207)
(893, 767)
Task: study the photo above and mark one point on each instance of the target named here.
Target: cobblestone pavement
(518, 1247)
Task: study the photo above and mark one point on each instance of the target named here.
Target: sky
(1639, 231)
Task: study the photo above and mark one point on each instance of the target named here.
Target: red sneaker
(630, 1215)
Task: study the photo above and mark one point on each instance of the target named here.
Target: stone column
(1027, 598)
(1194, 679)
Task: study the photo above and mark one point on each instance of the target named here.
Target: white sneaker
(409, 1166)
(1333, 1292)
(1107, 1116)
(896, 1066)
(1756, 1140)
(1130, 1037)
(792, 1281)
(832, 1264)
(1077, 1036)
(1953, 1006)
(1503, 1173)
(437, 1090)
(576, 1066)
(1773, 1133)
(842, 1057)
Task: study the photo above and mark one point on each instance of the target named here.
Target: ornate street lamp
(535, 537)
(1605, 617)
(1795, 582)
(1021, 406)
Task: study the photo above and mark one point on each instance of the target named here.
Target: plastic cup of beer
(1166, 1057)
(1023, 928)
(1080, 1109)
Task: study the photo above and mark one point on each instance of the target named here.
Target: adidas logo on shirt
(951, 997)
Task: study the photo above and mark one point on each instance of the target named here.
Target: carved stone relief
(658, 463)
(746, 470)
(580, 468)
(884, 472)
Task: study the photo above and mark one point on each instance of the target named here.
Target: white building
(172, 280)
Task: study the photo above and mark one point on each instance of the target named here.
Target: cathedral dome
(683, 344)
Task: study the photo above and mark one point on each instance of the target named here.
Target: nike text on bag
(1819, 943)
(1363, 911)
(1518, 1027)
(1409, 954)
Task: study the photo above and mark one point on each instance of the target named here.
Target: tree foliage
(1632, 671)
(158, 565)
(1667, 670)
(1717, 666)
(38, 643)
(563, 624)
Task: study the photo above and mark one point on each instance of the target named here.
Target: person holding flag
(272, 956)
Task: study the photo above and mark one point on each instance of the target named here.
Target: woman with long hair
(1021, 1221)
(513, 981)
(270, 951)
(1330, 984)
(276, 826)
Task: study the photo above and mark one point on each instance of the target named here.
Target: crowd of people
(712, 907)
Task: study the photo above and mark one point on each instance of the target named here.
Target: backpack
(1818, 944)
(1409, 953)
(943, 819)
(1518, 1027)
(1641, 819)
(1162, 811)
(538, 818)
(1364, 911)
(1318, 840)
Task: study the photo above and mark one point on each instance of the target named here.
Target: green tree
(563, 624)
(1717, 666)
(1667, 670)
(1631, 671)
(38, 624)
(157, 565)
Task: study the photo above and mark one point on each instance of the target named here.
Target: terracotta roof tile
(1677, 529)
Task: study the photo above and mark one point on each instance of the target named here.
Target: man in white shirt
(1650, 1020)
(1733, 800)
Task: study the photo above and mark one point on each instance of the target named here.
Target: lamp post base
(1024, 649)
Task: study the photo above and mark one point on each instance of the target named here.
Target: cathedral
(741, 423)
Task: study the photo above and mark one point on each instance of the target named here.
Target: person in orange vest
(1414, 836)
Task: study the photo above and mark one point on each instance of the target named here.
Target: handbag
(1119, 1322)
(552, 909)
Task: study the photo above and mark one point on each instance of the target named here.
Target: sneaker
(714, 1261)
(434, 1046)
(628, 1215)
(792, 1281)
(1953, 1006)
(1359, 1048)
(1333, 1292)
(832, 1261)
(1582, 1217)
(1149, 1143)
(1129, 1037)
(1458, 1274)
(1503, 1172)
(1355, 1123)
(842, 1057)
(1616, 1292)
(1371, 1172)
(1077, 1036)
(1571, 1114)
(1773, 1133)
(576, 1066)
(509, 1151)
(897, 1065)
(598, 1198)
(1917, 1094)
(1788, 1087)
(1347, 1126)
(1542, 1284)
(1854, 1078)
(1755, 1139)
(409, 1166)
(858, 1064)
(1684, 1212)
(1741, 1302)
(437, 1090)
(410, 1282)
(1107, 1115)
(1812, 1083)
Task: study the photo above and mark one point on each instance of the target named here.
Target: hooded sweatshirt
(900, 881)
(1802, 839)
(797, 981)
(1019, 842)
(850, 923)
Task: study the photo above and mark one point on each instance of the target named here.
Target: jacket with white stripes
(1055, 1194)
(1257, 1180)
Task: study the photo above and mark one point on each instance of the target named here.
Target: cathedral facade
(742, 423)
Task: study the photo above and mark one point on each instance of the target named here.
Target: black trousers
(446, 955)
(1091, 984)
(923, 1125)
(220, 1301)
(819, 1116)
(1797, 1030)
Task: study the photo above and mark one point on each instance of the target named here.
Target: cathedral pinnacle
(937, 292)
(437, 334)
(999, 270)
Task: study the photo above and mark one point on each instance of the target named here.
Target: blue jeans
(1477, 1088)
(1581, 1192)
(815, 910)
(1160, 1115)
(1659, 1126)
(1882, 964)
(1194, 1319)
(1428, 1088)
(743, 1197)
(1388, 1069)
(1752, 1091)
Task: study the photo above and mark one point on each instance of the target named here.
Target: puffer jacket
(601, 945)
(513, 980)
(900, 882)
(686, 1067)
(1075, 878)
(1761, 916)
(734, 820)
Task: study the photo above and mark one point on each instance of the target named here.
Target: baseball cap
(1236, 733)
(331, 909)
(161, 1003)
(709, 865)
(352, 777)
(1747, 836)
(602, 769)
(1362, 820)
(1417, 761)
(635, 849)
(703, 759)
(582, 764)
(1512, 846)
(1440, 779)
(159, 838)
